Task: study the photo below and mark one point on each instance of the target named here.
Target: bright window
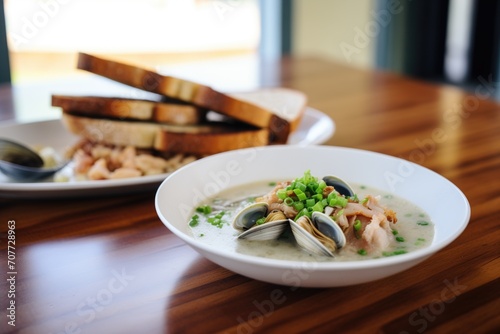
(45, 35)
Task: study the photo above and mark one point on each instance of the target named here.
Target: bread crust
(199, 140)
(112, 107)
(244, 110)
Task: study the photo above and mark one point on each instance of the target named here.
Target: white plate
(206, 177)
(315, 128)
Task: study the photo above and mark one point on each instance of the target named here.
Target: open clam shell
(318, 234)
(340, 185)
(249, 215)
(274, 225)
(267, 231)
(305, 239)
(329, 228)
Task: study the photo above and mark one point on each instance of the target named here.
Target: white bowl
(188, 187)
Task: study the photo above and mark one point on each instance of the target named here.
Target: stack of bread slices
(177, 122)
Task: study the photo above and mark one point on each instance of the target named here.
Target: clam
(326, 225)
(340, 185)
(318, 235)
(273, 226)
(307, 235)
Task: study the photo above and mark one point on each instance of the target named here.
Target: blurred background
(448, 41)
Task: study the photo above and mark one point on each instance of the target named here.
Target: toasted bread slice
(203, 139)
(270, 113)
(171, 112)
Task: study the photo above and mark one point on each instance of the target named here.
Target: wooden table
(108, 265)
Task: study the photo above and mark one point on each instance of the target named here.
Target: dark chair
(4, 49)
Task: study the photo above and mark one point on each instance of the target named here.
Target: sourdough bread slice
(203, 139)
(280, 119)
(171, 112)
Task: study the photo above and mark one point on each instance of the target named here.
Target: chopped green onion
(395, 232)
(400, 239)
(216, 219)
(396, 252)
(303, 212)
(297, 191)
(205, 209)
(357, 225)
(281, 193)
(299, 185)
(362, 252)
(318, 207)
(260, 221)
(312, 186)
(422, 223)
(302, 197)
(289, 201)
(310, 202)
(194, 221)
(298, 206)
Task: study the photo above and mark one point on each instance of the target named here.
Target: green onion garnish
(357, 228)
(305, 194)
(298, 206)
(281, 193)
(194, 221)
(260, 221)
(357, 225)
(205, 209)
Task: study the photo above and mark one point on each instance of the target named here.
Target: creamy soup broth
(414, 228)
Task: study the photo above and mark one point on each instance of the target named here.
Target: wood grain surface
(108, 265)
